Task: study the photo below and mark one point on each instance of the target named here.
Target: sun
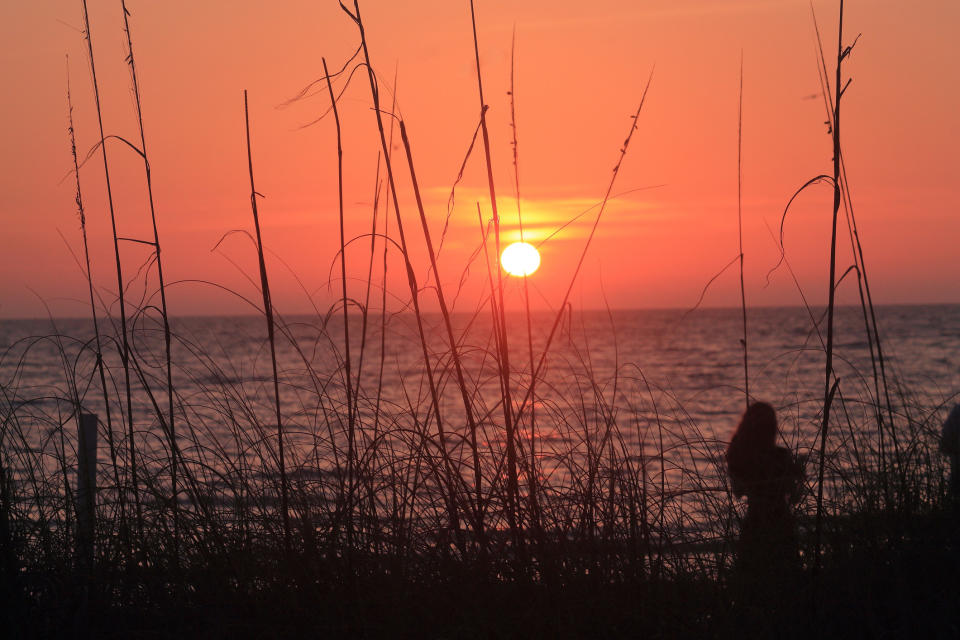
(520, 259)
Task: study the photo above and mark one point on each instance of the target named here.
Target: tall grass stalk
(351, 416)
(125, 343)
(383, 292)
(583, 254)
(372, 463)
(828, 390)
(743, 294)
(866, 299)
(533, 474)
(513, 491)
(454, 350)
(268, 313)
(111, 445)
(170, 424)
(450, 495)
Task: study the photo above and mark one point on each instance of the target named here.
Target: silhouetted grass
(479, 498)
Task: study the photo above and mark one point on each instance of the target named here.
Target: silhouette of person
(950, 445)
(770, 477)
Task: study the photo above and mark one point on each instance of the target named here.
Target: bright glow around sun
(520, 259)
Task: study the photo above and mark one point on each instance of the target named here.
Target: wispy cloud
(544, 219)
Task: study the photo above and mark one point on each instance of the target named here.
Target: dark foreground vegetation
(504, 498)
(879, 577)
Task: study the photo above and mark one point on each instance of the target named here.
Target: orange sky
(580, 70)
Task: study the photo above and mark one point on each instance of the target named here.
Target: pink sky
(580, 71)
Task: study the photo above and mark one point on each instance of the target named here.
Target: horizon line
(300, 314)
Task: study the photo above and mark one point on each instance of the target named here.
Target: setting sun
(520, 259)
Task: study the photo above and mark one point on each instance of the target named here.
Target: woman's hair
(757, 428)
(756, 433)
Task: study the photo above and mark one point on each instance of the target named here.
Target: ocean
(658, 392)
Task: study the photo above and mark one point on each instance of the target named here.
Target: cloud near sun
(544, 219)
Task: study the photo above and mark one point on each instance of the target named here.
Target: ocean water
(662, 389)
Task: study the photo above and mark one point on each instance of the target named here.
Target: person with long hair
(770, 477)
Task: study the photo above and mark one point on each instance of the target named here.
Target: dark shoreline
(881, 577)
